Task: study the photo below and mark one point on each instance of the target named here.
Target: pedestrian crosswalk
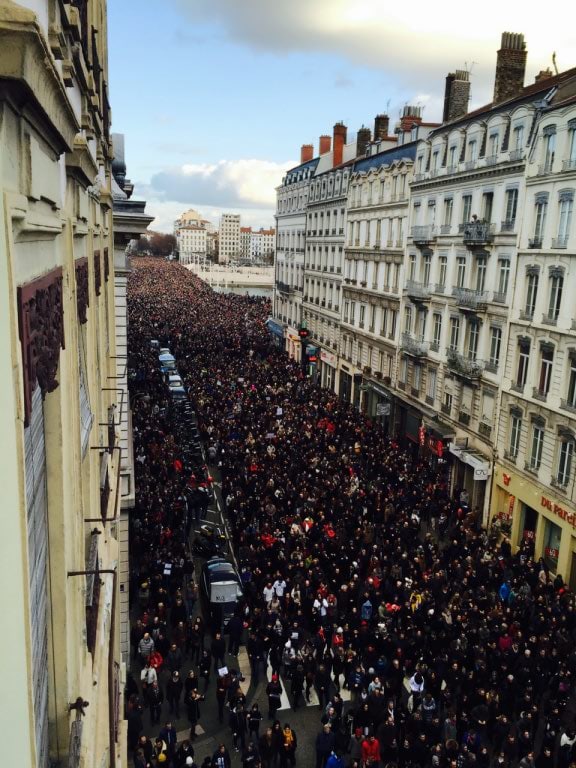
(313, 698)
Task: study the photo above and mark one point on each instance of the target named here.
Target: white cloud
(414, 42)
(244, 183)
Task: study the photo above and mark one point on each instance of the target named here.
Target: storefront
(293, 343)
(470, 476)
(377, 404)
(533, 514)
(328, 366)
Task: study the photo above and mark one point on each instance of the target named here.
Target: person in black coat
(218, 651)
(221, 758)
(237, 722)
(235, 632)
(325, 741)
(174, 688)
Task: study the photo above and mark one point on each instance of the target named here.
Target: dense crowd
(359, 571)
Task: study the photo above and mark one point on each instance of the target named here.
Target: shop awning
(439, 429)
(481, 464)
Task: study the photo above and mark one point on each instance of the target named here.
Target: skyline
(215, 121)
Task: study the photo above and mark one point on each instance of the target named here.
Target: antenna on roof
(554, 62)
(469, 68)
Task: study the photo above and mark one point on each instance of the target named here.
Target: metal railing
(414, 345)
(469, 299)
(417, 290)
(477, 232)
(423, 233)
(560, 242)
(470, 369)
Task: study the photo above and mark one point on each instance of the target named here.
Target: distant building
(229, 238)
(263, 244)
(245, 241)
(191, 231)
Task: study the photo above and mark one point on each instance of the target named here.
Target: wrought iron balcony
(569, 165)
(418, 291)
(469, 300)
(535, 242)
(464, 366)
(423, 234)
(414, 345)
(477, 232)
(509, 225)
(445, 229)
(284, 287)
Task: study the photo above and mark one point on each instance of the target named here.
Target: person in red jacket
(371, 752)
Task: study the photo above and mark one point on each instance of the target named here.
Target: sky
(215, 97)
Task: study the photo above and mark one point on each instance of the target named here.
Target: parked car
(167, 362)
(221, 589)
(176, 387)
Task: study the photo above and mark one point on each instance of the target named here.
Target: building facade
(533, 490)
(229, 242)
(60, 404)
(291, 208)
(191, 231)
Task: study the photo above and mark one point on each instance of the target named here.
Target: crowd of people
(359, 571)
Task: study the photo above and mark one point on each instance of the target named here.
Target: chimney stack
(381, 126)
(306, 153)
(456, 95)
(510, 67)
(410, 116)
(544, 74)
(363, 139)
(325, 145)
(340, 132)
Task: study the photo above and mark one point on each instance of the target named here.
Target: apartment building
(291, 208)
(191, 231)
(60, 474)
(324, 258)
(533, 490)
(229, 242)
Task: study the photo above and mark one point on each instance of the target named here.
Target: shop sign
(383, 409)
(435, 446)
(506, 478)
(328, 357)
(559, 511)
(481, 473)
(511, 502)
(421, 435)
(529, 535)
(551, 553)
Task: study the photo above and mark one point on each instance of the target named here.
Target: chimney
(410, 116)
(381, 125)
(510, 67)
(544, 74)
(306, 153)
(325, 144)
(363, 139)
(340, 133)
(456, 95)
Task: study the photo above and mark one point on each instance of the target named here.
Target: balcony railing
(499, 298)
(560, 242)
(545, 169)
(509, 225)
(535, 242)
(464, 418)
(484, 429)
(477, 232)
(468, 299)
(569, 165)
(516, 154)
(284, 287)
(464, 366)
(418, 291)
(423, 233)
(414, 345)
(445, 229)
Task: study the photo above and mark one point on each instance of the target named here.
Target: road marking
(244, 668)
(181, 735)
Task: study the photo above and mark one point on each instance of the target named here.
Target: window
(411, 266)
(454, 332)
(555, 299)
(426, 271)
(488, 403)
(393, 322)
(494, 144)
(473, 336)
(460, 271)
(531, 293)
(352, 313)
(452, 156)
(407, 319)
(437, 331)
(362, 314)
(549, 148)
(448, 208)
(571, 162)
(372, 316)
(417, 377)
(523, 362)
(540, 220)
(571, 394)
(518, 137)
(434, 165)
(403, 372)
(537, 445)
(515, 432)
(564, 220)
(565, 454)
(487, 203)
(546, 363)
(384, 319)
(495, 345)
(503, 278)
(431, 384)
(472, 149)
(447, 402)
(466, 208)
(442, 271)
(481, 266)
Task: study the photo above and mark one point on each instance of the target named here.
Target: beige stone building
(61, 667)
